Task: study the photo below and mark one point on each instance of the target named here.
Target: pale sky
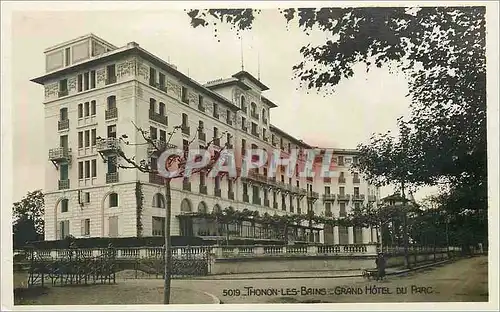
(366, 103)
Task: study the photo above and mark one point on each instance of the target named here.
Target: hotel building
(95, 90)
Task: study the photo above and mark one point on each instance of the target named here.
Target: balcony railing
(112, 177)
(372, 198)
(63, 184)
(108, 145)
(343, 197)
(341, 180)
(328, 197)
(63, 124)
(156, 179)
(60, 154)
(110, 80)
(62, 93)
(186, 185)
(185, 130)
(358, 197)
(230, 195)
(158, 118)
(111, 113)
(313, 195)
(355, 180)
(203, 189)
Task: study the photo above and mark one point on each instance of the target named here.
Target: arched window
(202, 207)
(158, 201)
(64, 204)
(113, 200)
(186, 205)
(264, 115)
(253, 108)
(243, 104)
(111, 102)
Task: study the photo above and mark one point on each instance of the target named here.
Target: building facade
(95, 93)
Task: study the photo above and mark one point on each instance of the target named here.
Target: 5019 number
(231, 292)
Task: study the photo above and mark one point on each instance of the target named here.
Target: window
(158, 226)
(230, 185)
(162, 81)
(341, 190)
(184, 95)
(63, 114)
(80, 139)
(185, 147)
(184, 120)
(63, 141)
(253, 107)
(355, 160)
(216, 133)
(86, 227)
(327, 190)
(112, 131)
(86, 81)
(111, 73)
(202, 178)
(92, 79)
(161, 109)
(163, 136)
(254, 128)
(216, 110)
(158, 201)
(340, 160)
(228, 118)
(200, 100)
(201, 126)
(80, 110)
(328, 209)
(356, 191)
(342, 212)
(87, 109)
(243, 123)
(67, 57)
(152, 76)
(94, 168)
(243, 104)
(63, 85)
(80, 83)
(87, 169)
(64, 205)
(357, 205)
(228, 138)
(111, 164)
(63, 229)
(113, 200)
(152, 104)
(93, 136)
(111, 102)
(92, 107)
(80, 170)
(87, 138)
(264, 115)
(153, 132)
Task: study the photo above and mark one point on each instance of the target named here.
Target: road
(465, 280)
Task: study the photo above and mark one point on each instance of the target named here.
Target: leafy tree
(28, 224)
(441, 51)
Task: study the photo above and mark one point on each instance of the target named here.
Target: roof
(288, 136)
(219, 83)
(134, 49)
(245, 74)
(68, 42)
(268, 102)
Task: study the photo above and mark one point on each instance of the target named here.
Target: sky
(364, 104)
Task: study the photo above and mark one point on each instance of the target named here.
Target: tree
(441, 50)
(177, 162)
(28, 224)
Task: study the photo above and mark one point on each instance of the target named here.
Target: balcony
(63, 124)
(372, 198)
(341, 180)
(217, 192)
(203, 189)
(63, 184)
(202, 136)
(108, 145)
(110, 80)
(185, 130)
(62, 93)
(111, 113)
(343, 197)
(230, 195)
(156, 179)
(328, 197)
(60, 154)
(358, 197)
(355, 180)
(312, 195)
(257, 177)
(112, 177)
(245, 198)
(158, 118)
(302, 192)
